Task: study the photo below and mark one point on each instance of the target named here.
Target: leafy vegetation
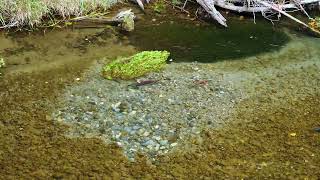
(136, 65)
(159, 6)
(314, 24)
(176, 2)
(31, 12)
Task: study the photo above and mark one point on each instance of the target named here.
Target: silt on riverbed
(269, 134)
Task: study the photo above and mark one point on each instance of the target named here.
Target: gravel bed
(153, 118)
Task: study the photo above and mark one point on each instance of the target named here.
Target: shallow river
(251, 111)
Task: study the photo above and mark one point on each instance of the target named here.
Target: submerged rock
(128, 23)
(126, 19)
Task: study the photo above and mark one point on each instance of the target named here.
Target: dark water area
(189, 42)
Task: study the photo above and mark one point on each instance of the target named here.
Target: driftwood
(88, 20)
(231, 6)
(208, 5)
(125, 19)
(266, 7)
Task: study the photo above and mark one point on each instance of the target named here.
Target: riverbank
(32, 12)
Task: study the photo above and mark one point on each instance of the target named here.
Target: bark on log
(232, 7)
(208, 5)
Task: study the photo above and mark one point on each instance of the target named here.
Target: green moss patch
(136, 65)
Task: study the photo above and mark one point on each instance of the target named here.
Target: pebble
(149, 142)
(92, 102)
(173, 144)
(149, 146)
(157, 147)
(157, 138)
(145, 134)
(163, 142)
(132, 113)
(118, 136)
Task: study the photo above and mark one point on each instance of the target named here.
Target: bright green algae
(136, 65)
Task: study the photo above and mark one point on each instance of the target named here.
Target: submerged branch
(124, 18)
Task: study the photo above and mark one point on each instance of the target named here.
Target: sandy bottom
(270, 132)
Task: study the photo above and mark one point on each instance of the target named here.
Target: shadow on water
(207, 43)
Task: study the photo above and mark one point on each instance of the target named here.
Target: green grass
(136, 65)
(32, 12)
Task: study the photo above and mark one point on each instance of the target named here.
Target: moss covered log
(136, 65)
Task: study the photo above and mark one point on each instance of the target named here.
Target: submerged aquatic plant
(136, 65)
(2, 63)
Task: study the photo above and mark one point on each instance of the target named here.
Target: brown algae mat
(270, 135)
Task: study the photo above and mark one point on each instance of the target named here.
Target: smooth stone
(92, 102)
(128, 129)
(150, 147)
(141, 131)
(157, 138)
(149, 142)
(145, 134)
(173, 144)
(163, 142)
(157, 147)
(135, 127)
(132, 113)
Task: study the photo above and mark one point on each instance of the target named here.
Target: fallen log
(254, 9)
(88, 20)
(125, 19)
(254, 6)
(208, 5)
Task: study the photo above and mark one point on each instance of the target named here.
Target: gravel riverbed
(153, 118)
(186, 99)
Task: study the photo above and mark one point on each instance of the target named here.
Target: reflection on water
(188, 42)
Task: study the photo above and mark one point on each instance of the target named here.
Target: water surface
(209, 43)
